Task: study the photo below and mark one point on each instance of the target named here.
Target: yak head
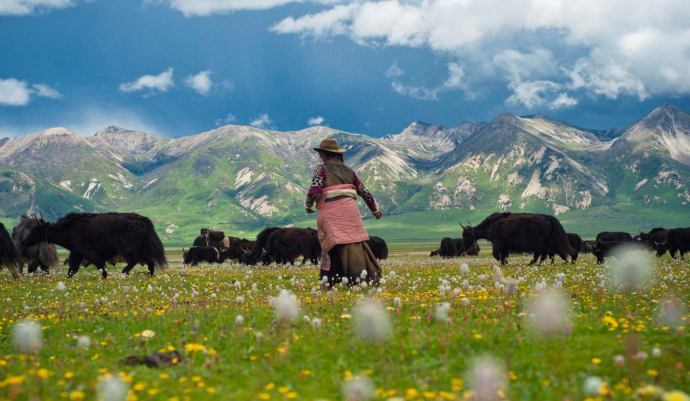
(38, 234)
(248, 258)
(661, 247)
(185, 256)
(468, 239)
(266, 258)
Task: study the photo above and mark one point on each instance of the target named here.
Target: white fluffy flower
(239, 320)
(442, 311)
(61, 286)
(316, 323)
(464, 268)
(112, 388)
(360, 389)
(630, 269)
(487, 378)
(239, 300)
(28, 335)
(84, 342)
(549, 313)
(593, 385)
(286, 306)
(372, 321)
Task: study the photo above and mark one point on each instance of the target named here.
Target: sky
(182, 67)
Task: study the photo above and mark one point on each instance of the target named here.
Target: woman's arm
(367, 196)
(318, 180)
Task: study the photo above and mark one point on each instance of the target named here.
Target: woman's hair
(331, 155)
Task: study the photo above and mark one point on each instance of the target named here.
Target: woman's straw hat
(330, 145)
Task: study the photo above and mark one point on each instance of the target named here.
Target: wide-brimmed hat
(330, 145)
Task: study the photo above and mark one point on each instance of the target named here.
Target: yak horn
(463, 227)
(41, 213)
(468, 222)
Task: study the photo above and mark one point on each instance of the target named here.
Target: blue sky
(181, 67)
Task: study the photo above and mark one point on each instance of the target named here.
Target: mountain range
(241, 178)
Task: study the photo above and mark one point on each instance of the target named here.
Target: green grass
(266, 358)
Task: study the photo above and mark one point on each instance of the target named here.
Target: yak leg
(497, 254)
(45, 269)
(104, 272)
(682, 255)
(152, 268)
(535, 257)
(20, 267)
(33, 266)
(128, 268)
(304, 260)
(74, 264)
(672, 252)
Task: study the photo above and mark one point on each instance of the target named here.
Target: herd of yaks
(102, 239)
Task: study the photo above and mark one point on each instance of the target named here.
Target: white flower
(464, 268)
(372, 321)
(316, 323)
(147, 334)
(487, 378)
(397, 302)
(619, 360)
(28, 335)
(345, 280)
(392, 275)
(239, 300)
(549, 313)
(286, 306)
(306, 319)
(112, 388)
(61, 286)
(84, 342)
(642, 355)
(239, 320)
(593, 385)
(442, 311)
(656, 352)
(631, 268)
(511, 288)
(466, 302)
(238, 285)
(149, 289)
(360, 389)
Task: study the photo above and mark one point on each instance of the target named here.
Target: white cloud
(46, 91)
(632, 47)
(229, 119)
(315, 120)
(26, 7)
(14, 92)
(394, 71)
(262, 122)
(563, 101)
(200, 82)
(530, 93)
(454, 81)
(161, 82)
(203, 8)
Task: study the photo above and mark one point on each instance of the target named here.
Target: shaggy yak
(615, 236)
(8, 252)
(378, 247)
(252, 258)
(286, 245)
(575, 242)
(237, 250)
(538, 234)
(197, 254)
(101, 237)
(650, 239)
(43, 255)
(677, 240)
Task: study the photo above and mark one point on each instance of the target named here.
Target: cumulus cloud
(315, 120)
(608, 48)
(454, 81)
(200, 82)
(191, 8)
(26, 7)
(14, 92)
(229, 119)
(262, 122)
(161, 82)
(394, 71)
(563, 101)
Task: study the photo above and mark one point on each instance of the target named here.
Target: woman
(334, 189)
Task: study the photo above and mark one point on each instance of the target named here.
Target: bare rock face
(129, 142)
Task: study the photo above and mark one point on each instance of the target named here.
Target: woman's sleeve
(365, 194)
(318, 180)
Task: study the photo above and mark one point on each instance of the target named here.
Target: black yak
(434, 253)
(450, 247)
(603, 250)
(101, 237)
(615, 236)
(378, 247)
(8, 252)
(575, 242)
(197, 254)
(287, 244)
(520, 232)
(587, 246)
(43, 255)
(677, 240)
(253, 257)
(86, 263)
(651, 238)
(237, 250)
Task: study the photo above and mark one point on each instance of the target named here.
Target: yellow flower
(478, 336)
(270, 386)
(596, 361)
(192, 347)
(264, 396)
(676, 396)
(211, 390)
(610, 322)
(429, 394)
(76, 395)
(147, 334)
(43, 373)
(291, 395)
(446, 395)
(284, 389)
(652, 372)
(411, 393)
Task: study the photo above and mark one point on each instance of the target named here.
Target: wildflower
(239, 300)
(84, 342)
(676, 396)
(648, 391)
(239, 320)
(442, 311)
(487, 378)
(397, 302)
(28, 335)
(511, 288)
(192, 347)
(147, 334)
(372, 321)
(610, 321)
(549, 314)
(306, 319)
(61, 286)
(593, 386)
(113, 388)
(656, 352)
(358, 389)
(316, 323)
(392, 275)
(631, 268)
(286, 306)
(619, 360)
(464, 268)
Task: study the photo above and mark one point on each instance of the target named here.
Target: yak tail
(560, 238)
(48, 254)
(155, 251)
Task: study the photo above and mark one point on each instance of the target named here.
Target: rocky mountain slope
(244, 178)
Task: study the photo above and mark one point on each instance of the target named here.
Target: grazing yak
(434, 253)
(538, 234)
(214, 238)
(452, 247)
(43, 255)
(575, 243)
(587, 246)
(378, 247)
(651, 238)
(616, 236)
(8, 252)
(196, 254)
(677, 240)
(237, 250)
(86, 263)
(603, 250)
(287, 244)
(101, 237)
(252, 258)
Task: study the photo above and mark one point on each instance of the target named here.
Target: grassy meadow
(635, 342)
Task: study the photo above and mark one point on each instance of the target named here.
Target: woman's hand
(310, 210)
(378, 214)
